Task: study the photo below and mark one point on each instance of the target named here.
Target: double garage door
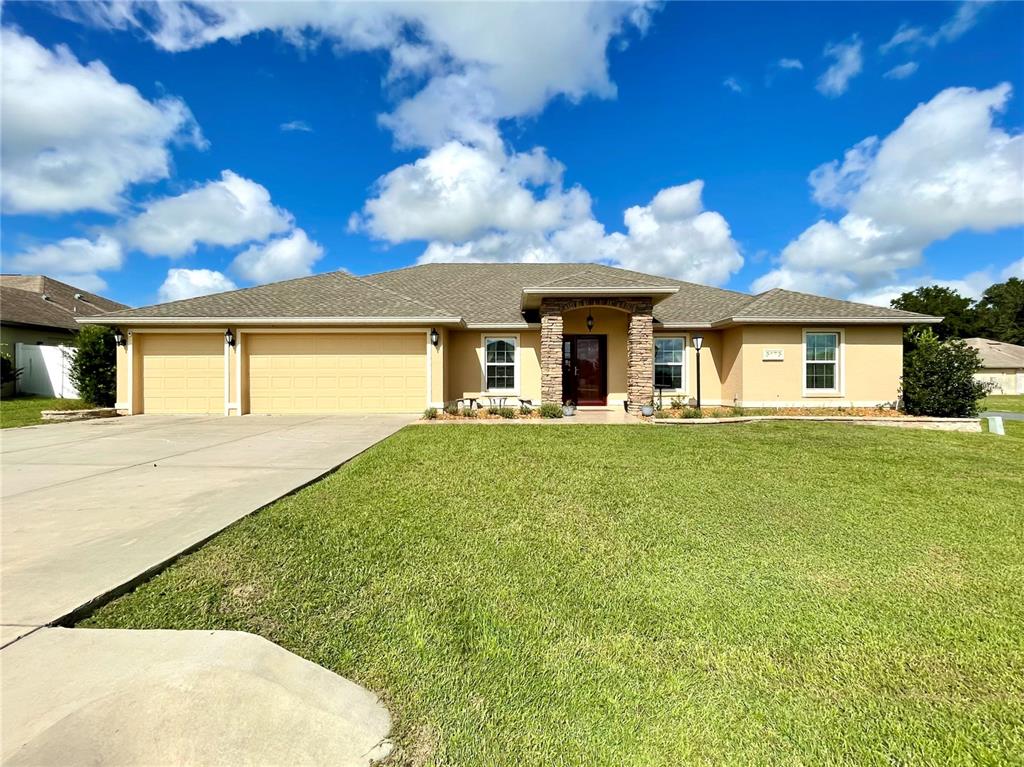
(288, 373)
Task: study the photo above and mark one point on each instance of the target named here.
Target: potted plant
(648, 408)
(568, 408)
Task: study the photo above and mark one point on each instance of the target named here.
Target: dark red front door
(584, 379)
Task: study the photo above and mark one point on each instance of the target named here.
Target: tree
(94, 367)
(960, 318)
(938, 377)
(1001, 311)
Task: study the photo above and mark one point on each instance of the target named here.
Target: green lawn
(27, 410)
(1012, 403)
(774, 593)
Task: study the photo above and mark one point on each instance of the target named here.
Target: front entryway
(584, 370)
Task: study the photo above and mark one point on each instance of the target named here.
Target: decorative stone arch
(639, 344)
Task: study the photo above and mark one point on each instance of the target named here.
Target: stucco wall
(871, 361)
(463, 373)
(711, 365)
(732, 365)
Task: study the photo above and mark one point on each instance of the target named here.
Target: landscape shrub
(94, 367)
(662, 413)
(550, 410)
(938, 378)
(430, 413)
(692, 412)
(506, 412)
(451, 408)
(676, 403)
(525, 409)
(468, 412)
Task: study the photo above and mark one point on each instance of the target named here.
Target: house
(35, 309)
(1002, 365)
(401, 340)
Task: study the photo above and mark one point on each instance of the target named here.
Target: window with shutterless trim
(500, 361)
(670, 362)
(821, 361)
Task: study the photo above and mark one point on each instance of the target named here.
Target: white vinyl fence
(45, 370)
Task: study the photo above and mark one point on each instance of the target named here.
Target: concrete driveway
(91, 506)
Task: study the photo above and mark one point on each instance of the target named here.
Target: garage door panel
(182, 373)
(344, 373)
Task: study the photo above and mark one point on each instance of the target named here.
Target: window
(500, 364)
(821, 362)
(669, 362)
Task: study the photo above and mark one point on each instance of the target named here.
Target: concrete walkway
(89, 507)
(180, 697)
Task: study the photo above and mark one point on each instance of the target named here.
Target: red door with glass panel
(584, 373)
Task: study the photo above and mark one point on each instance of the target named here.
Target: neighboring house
(1002, 365)
(40, 310)
(402, 340)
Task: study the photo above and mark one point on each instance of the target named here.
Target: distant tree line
(998, 314)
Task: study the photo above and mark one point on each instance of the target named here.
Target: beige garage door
(182, 373)
(337, 373)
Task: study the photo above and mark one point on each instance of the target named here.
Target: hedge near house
(938, 378)
(94, 368)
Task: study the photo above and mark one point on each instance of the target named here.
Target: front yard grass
(772, 593)
(27, 410)
(1008, 403)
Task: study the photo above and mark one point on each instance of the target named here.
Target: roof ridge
(399, 295)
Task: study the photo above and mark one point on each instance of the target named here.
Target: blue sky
(688, 139)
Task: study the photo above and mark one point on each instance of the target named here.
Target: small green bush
(506, 412)
(468, 412)
(736, 410)
(692, 412)
(676, 403)
(525, 409)
(451, 408)
(550, 410)
(938, 378)
(662, 413)
(94, 367)
(493, 410)
(430, 413)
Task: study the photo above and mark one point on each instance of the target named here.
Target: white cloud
(280, 259)
(847, 64)
(946, 169)
(300, 126)
(74, 138)
(902, 71)
(733, 84)
(961, 22)
(75, 260)
(905, 35)
(790, 64)
(480, 63)
(231, 211)
(189, 283)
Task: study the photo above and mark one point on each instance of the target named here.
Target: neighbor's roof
(997, 354)
(44, 302)
(335, 297)
(493, 295)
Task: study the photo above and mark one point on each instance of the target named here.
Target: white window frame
(513, 338)
(685, 373)
(840, 363)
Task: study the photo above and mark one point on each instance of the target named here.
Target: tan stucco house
(1002, 365)
(403, 340)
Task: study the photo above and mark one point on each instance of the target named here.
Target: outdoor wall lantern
(698, 344)
(435, 337)
(229, 337)
(119, 338)
(590, 321)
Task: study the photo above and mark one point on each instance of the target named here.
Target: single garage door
(182, 373)
(337, 372)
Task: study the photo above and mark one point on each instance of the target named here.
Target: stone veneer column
(640, 356)
(551, 351)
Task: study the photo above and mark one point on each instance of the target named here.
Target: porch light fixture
(435, 337)
(119, 338)
(590, 321)
(229, 337)
(698, 344)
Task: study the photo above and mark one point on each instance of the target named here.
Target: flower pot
(568, 410)
(647, 410)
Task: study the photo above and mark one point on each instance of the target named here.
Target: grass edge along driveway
(763, 593)
(27, 410)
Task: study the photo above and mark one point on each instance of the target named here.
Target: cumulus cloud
(189, 283)
(902, 71)
(231, 211)
(847, 64)
(74, 137)
(75, 260)
(469, 61)
(279, 259)
(947, 168)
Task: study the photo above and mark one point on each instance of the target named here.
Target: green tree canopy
(960, 318)
(1001, 311)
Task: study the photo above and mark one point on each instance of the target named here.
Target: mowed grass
(773, 593)
(27, 410)
(1009, 403)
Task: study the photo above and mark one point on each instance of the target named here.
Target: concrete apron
(111, 697)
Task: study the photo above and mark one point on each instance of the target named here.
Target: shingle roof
(997, 354)
(492, 294)
(331, 295)
(22, 302)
